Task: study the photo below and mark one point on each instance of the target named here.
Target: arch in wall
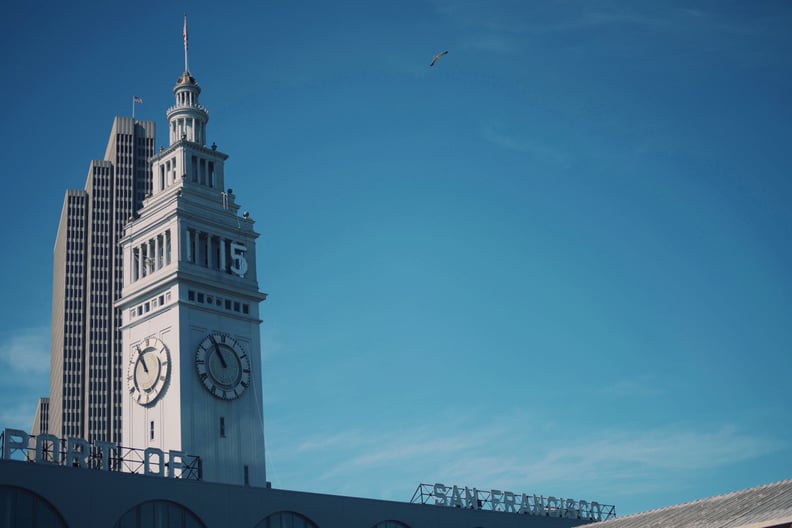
(22, 507)
(390, 524)
(159, 514)
(286, 519)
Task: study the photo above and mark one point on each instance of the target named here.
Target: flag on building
(137, 99)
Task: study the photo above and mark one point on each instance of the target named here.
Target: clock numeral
(244, 383)
(200, 361)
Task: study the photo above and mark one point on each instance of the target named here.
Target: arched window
(390, 524)
(286, 519)
(20, 507)
(159, 514)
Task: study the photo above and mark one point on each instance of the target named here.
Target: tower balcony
(187, 107)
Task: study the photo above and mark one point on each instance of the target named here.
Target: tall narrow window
(222, 427)
(143, 259)
(152, 429)
(167, 247)
(135, 264)
(160, 251)
(194, 169)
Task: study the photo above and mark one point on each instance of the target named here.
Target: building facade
(37, 495)
(190, 310)
(85, 372)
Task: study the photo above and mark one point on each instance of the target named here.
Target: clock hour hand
(217, 351)
(142, 360)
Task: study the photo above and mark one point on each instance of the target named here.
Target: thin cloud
(27, 352)
(18, 415)
(490, 43)
(631, 389)
(324, 442)
(504, 454)
(536, 149)
(513, 18)
(624, 458)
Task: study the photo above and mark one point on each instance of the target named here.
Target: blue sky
(557, 262)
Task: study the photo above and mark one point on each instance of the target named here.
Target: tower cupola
(187, 119)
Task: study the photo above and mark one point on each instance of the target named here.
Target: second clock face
(223, 366)
(148, 370)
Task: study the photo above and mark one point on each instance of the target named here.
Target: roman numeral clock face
(148, 371)
(223, 366)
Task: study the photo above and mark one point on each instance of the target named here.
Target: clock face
(223, 366)
(149, 369)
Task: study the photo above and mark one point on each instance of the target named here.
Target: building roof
(765, 506)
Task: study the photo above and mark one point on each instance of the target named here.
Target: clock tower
(190, 305)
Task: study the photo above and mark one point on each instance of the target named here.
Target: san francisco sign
(507, 501)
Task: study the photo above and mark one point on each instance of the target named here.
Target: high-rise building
(86, 373)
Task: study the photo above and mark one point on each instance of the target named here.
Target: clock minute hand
(217, 351)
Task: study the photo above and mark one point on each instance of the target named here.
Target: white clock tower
(190, 305)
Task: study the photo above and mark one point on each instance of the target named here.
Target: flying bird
(437, 57)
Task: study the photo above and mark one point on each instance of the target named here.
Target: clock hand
(217, 351)
(142, 360)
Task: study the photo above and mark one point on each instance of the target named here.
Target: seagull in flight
(437, 57)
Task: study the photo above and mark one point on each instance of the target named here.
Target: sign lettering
(79, 453)
(507, 501)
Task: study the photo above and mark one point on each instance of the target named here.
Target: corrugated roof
(760, 507)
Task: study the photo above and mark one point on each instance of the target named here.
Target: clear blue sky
(557, 262)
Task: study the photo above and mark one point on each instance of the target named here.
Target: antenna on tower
(185, 43)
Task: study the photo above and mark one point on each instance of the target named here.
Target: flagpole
(133, 108)
(185, 43)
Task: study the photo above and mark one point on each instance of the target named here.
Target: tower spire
(185, 43)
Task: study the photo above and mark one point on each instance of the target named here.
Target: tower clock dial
(148, 371)
(223, 366)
